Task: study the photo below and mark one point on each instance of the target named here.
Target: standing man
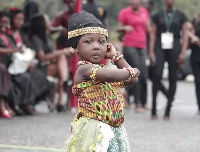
(134, 22)
(165, 45)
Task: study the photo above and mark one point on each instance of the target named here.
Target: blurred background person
(60, 23)
(97, 10)
(5, 78)
(134, 22)
(194, 35)
(165, 45)
(51, 62)
(149, 5)
(23, 94)
(30, 8)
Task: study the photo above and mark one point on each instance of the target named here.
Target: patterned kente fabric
(100, 101)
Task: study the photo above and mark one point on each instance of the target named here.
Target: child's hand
(137, 72)
(110, 52)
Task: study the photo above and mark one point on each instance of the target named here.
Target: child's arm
(108, 74)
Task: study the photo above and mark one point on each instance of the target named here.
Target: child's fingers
(109, 45)
(137, 72)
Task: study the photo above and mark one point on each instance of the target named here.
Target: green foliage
(189, 7)
(6, 4)
(51, 7)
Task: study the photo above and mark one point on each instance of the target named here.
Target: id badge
(167, 40)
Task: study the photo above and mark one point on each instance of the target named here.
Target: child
(98, 124)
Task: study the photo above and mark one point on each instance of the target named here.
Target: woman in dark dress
(5, 78)
(23, 94)
(51, 62)
(194, 34)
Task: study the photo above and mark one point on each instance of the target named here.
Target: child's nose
(95, 45)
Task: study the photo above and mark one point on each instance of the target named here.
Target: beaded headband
(87, 30)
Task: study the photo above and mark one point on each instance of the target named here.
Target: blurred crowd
(34, 67)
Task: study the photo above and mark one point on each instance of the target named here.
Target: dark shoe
(60, 108)
(18, 112)
(28, 110)
(167, 113)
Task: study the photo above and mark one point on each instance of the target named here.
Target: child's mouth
(95, 56)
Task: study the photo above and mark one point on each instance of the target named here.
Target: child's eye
(88, 41)
(103, 41)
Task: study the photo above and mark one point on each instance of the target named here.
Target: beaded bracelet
(131, 73)
(122, 85)
(116, 57)
(94, 72)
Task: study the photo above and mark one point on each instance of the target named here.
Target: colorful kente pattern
(100, 101)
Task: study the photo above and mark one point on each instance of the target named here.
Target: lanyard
(168, 20)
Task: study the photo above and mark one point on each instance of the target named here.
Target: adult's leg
(157, 70)
(171, 57)
(24, 92)
(143, 77)
(196, 72)
(163, 89)
(59, 70)
(132, 57)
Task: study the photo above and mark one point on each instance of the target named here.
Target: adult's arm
(152, 41)
(181, 58)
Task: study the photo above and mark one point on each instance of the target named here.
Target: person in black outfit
(194, 34)
(149, 5)
(30, 8)
(97, 10)
(165, 45)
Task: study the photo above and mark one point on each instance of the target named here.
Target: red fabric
(62, 19)
(138, 37)
(16, 36)
(6, 41)
(104, 61)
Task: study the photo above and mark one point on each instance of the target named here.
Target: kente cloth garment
(90, 135)
(101, 101)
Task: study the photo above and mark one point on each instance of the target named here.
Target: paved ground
(49, 130)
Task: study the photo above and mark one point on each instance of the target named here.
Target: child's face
(92, 48)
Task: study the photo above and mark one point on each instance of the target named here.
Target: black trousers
(196, 71)
(137, 59)
(163, 56)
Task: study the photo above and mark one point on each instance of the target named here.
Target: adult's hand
(152, 59)
(181, 59)
(128, 28)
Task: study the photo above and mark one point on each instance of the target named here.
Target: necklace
(86, 62)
